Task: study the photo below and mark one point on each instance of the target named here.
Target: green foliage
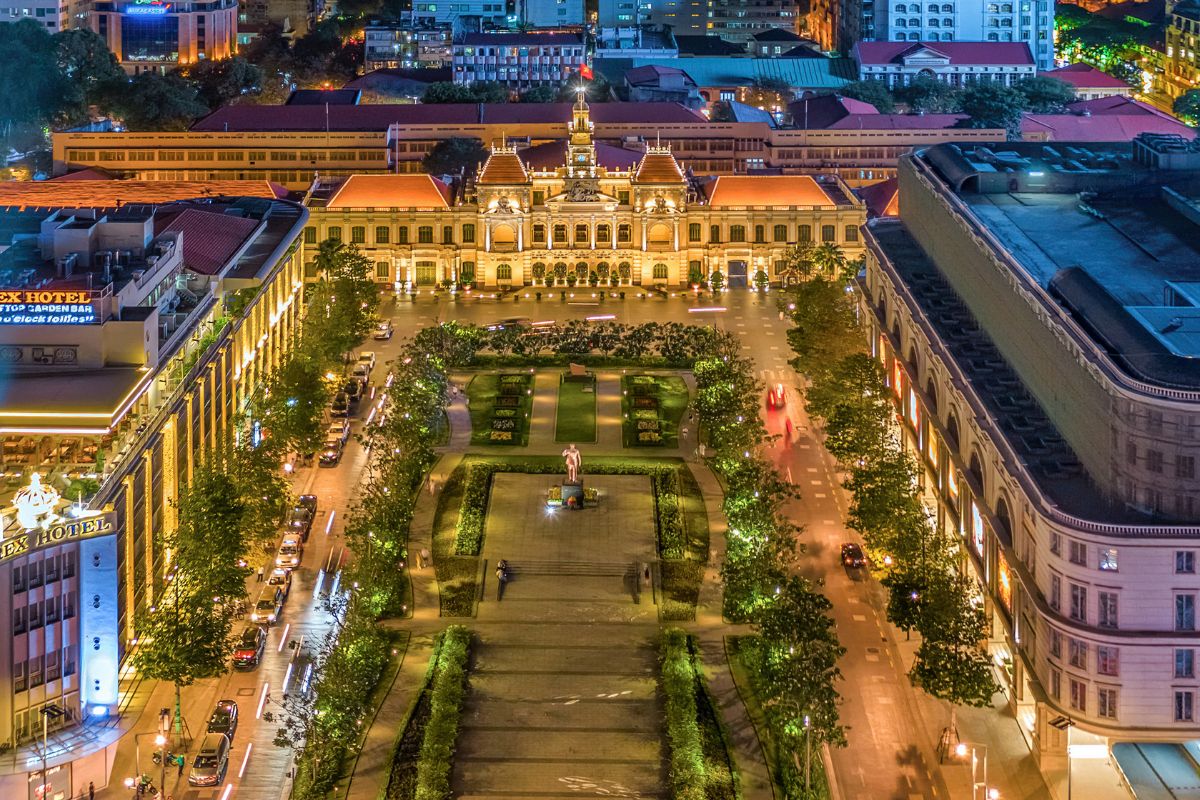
(825, 325)
(1045, 95)
(1187, 107)
(34, 90)
(293, 405)
(478, 92)
(220, 82)
(448, 689)
(151, 101)
(87, 66)
(687, 768)
(342, 303)
(928, 95)
(950, 663)
(992, 105)
(540, 94)
(454, 156)
(875, 92)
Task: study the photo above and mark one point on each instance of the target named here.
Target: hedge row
(447, 692)
(477, 485)
(672, 533)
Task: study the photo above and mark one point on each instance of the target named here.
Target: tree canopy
(1187, 107)
(454, 156)
(992, 105)
(874, 92)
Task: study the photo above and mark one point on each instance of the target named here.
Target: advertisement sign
(147, 8)
(46, 307)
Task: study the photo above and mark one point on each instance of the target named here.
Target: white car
(367, 357)
(383, 331)
(290, 552)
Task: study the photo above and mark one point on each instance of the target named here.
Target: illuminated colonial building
(578, 208)
(131, 337)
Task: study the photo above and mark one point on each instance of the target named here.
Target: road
(886, 757)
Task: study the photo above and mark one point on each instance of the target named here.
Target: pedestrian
(181, 761)
(91, 791)
(425, 557)
(683, 431)
(432, 485)
(260, 574)
(788, 427)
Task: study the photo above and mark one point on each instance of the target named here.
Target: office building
(736, 22)
(1035, 310)
(55, 15)
(406, 46)
(518, 60)
(955, 63)
(464, 15)
(551, 13)
(1181, 68)
(149, 35)
(579, 207)
(136, 326)
(293, 17)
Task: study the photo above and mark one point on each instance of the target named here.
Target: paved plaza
(562, 697)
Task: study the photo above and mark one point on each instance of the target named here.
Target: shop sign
(147, 8)
(46, 307)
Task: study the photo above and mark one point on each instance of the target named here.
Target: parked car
(340, 407)
(367, 357)
(852, 555)
(269, 607)
(339, 428)
(290, 552)
(211, 763)
(361, 373)
(309, 501)
(224, 718)
(331, 451)
(249, 649)
(300, 521)
(281, 579)
(383, 331)
(353, 391)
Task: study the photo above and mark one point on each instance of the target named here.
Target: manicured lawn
(576, 418)
(487, 402)
(457, 576)
(669, 396)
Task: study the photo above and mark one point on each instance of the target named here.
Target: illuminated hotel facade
(149, 35)
(131, 338)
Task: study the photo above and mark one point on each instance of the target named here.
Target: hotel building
(133, 328)
(147, 35)
(582, 208)
(1036, 308)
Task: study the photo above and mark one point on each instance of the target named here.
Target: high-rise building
(148, 35)
(550, 13)
(1035, 310)
(518, 60)
(55, 15)
(735, 21)
(840, 24)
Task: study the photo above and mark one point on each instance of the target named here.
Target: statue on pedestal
(574, 460)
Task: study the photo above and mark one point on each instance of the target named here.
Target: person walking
(260, 574)
(501, 578)
(91, 791)
(425, 557)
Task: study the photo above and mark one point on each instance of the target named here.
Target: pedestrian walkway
(608, 411)
(545, 404)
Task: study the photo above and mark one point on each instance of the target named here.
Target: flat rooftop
(87, 400)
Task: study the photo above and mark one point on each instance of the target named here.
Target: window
(539, 198)
(35, 616)
(18, 579)
(1154, 460)
(1106, 703)
(19, 684)
(693, 231)
(603, 233)
(68, 565)
(539, 233)
(804, 233)
(1078, 553)
(402, 235)
(504, 272)
(52, 672)
(851, 233)
(1055, 598)
(469, 233)
(19, 619)
(714, 233)
(828, 233)
(1108, 559)
(425, 234)
(310, 235)
(1185, 663)
(1131, 453)
(623, 198)
(35, 574)
(760, 233)
(447, 234)
(1108, 660)
(1055, 643)
(334, 232)
(1185, 466)
(382, 234)
(737, 233)
(779, 233)
(381, 269)
(660, 272)
(1078, 695)
(51, 606)
(1077, 652)
(358, 235)
(581, 233)
(68, 605)
(560, 233)
(624, 233)
(1055, 683)
(1106, 610)
(1056, 544)
(1185, 705)
(1185, 612)
(1079, 600)
(1185, 562)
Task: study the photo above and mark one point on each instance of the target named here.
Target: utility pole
(49, 711)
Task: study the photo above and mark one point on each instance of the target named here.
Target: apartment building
(1044, 371)
(136, 326)
(518, 60)
(406, 46)
(1181, 71)
(735, 22)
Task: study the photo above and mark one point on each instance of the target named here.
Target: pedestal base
(572, 494)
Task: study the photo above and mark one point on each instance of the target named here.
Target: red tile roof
(882, 199)
(503, 166)
(1105, 127)
(1117, 105)
(818, 113)
(896, 122)
(1085, 76)
(658, 166)
(391, 191)
(766, 190)
(86, 174)
(990, 53)
(552, 155)
(110, 194)
(210, 241)
(377, 117)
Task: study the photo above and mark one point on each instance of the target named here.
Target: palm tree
(829, 258)
(797, 263)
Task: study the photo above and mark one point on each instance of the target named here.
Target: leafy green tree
(1187, 107)
(906, 587)
(797, 263)
(825, 325)
(875, 92)
(951, 662)
(87, 66)
(829, 259)
(219, 82)
(721, 112)
(540, 94)
(1045, 95)
(154, 102)
(599, 90)
(343, 301)
(992, 105)
(293, 403)
(490, 92)
(928, 95)
(447, 92)
(33, 89)
(457, 155)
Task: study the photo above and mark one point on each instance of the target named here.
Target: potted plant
(761, 281)
(571, 280)
(695, 276)
(716, 281)
(593, 280)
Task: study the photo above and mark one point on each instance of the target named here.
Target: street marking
(288, 675)
(262, 700)
(329, 524)
(811, 469)
(858, 617)
(819, 494)
(829, 521)
(872, 657)
(816, 483)
(283, 638)
(245, 758)
(228, 791)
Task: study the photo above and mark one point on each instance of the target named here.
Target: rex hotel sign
(58, 532)
(46, 307)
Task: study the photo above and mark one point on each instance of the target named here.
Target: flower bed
(500, 407)
(652, 407)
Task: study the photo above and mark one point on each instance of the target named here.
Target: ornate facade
(577, 208)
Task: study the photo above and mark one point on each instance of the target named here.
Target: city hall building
(135, 323)
(1036, 309)
(579, 207)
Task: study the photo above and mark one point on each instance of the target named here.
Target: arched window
(901, 24)
(933, 23)
(1006, 8)
(902, 9)
(947, 8)
(947, 36)
(604, 234)
(660, 272)
(947, 23)
(993, 37)
(504, 272)
(932, 8)
(539, 270)
(737, 233)
(581, 270)
(914, 23)
(602, 269)
(993, 8)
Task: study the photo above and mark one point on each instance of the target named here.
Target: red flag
(585, 72)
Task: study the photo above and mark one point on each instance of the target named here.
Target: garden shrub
(448, 689)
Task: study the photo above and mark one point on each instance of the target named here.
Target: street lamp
(961, 750)
(49, 711)
(160, 741)
(1064, 723)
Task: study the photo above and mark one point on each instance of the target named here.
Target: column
(130, 572)
(520, 236)
(191, 442)
(148, 505)
(592, 231)
(170, 480)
